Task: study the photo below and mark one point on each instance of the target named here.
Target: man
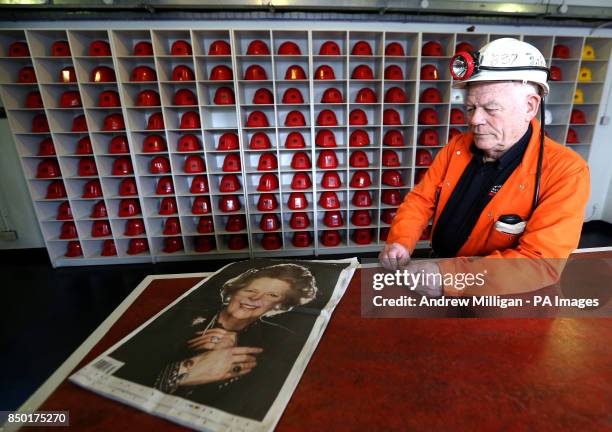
(482, 180)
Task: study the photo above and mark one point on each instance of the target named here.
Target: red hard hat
(102, 74)
(394, 72)
(230, 183)
(300, 181)
(257, 119)
(431, 95)
(295, 140)
(333, 219)
(327, 118)
(396, 95)
(429, 137)
(391, 117)
(572, 137)
(361, 218)
(68, 231)
(143, 73)
(184, 97)
(331, 180)
(267, 161)
(359, 138)
(155, 121)
(423, 158)
(295, 118)
(263, 96)
(577, 117)
(190, 120)
(189, 143)
(109, 248)
(258, 47)
(295, 72)
(388, 215)
(99, 210)
(362, 48)
(164, 186)
(129, 207)
(84, 146)
(224, 96)
(229, 203)
(127, 187)
(270, 241)
(219, 47)
(429, 73)
(46, 148)
(255, 73)
(361, 179)
(292, 96)
(221, 73)
(419, 176)
(180, 48)
(204, 243)
(362, 236)
(56, 190)
(390, 158)
(267, 202)
(113, 122)
(60, 49)
(34, 100)
(331, 95)
(154, 144)
(199, 184)
(18, 49)
(391, 197)
(366, 95)
(392, 178)
(267, 182)
(231, 163)
(167, 206)
(297, 201)
(393, 138)
(300, 161)
(235, 223)
(79, 124)
(99, 48)
(429, 116)
(66, 75)
(269, 222)
(172, 244)
(301, 239)
(325, 138)
(432, 48)
(122, 166)
(138, 245)
(64, 212)
(289, 48)
(555, 74)
(70, 99)
(330, 48)
(101, 228)
(40, 123)
(327, 160)
(330, 238)
(159, 165)
(457, 116)
(358, 117)
(108, 99)
(362, 72)
(259, 141)
(134, 227)
(561, 51)
(464, 47)
(143, 48)
(329, 200)
(194, 164)
(359, 159)
(325, 72)
(228, 141)
(453, 132)
(182, 73)
(92, 189)
(27, 75)
(206, 225)
(362, 199)
(394, 49)
(299, 220)
(73, 249)
(87, 167)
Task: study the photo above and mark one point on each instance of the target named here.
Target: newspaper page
(228, 354)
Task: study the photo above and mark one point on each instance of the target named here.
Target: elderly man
(503, 189)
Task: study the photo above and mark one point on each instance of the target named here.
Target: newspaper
(228, 354)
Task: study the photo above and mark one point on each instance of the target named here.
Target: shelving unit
(199, 118)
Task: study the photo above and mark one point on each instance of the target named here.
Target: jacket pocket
(498, 240)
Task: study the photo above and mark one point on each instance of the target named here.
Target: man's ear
(533, 106)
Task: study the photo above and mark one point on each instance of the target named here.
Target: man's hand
(394, 256)
(431, 282)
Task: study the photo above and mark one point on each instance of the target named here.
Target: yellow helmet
(588, 52)
(578, 96)
(585, 74)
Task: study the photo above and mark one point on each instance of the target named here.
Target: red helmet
(390, 158)
(300, 181)
(577, 117)
(269, 222)
(113, 122)
(270, 241)
(102, 74)
(257, 119)
(392, 178)
(457, 116)
(361, 179)
(137, 245)
(572, 137)
(184, 97)
(362, 236)
(99, 48)
(297, 201)
(555, 74)
(189, 143)
(396, 95)
(325, 138)
(267, 202)
(333, 219)
(362, 72)
(143, 48)
(194, 164)
(362, 48)
(358, 117)
(129, 207)
(561, 51)
(453, 132)
(224, 96)
(329, 200)
(134, 227)
(18, 49)
(66, 75)
(230, 183)
(70, 99)
(429, 73)
(143, 73)
(388, 215)
(330, 238)
(366, 95)
(299, 220)
(27, 75)
(259, 141)
(301, 239)
(267, 182)
(423, 158)
(235, 223)
(295, 72)
(327, 160)
(300, 161)
(64, 212)
(164, 186)
(122, 166)
(127, 187)
(331, 180)
(34, 100)
(229, 203)
(190, 120)
(68, 231)
(431, 95)
(295, 118)
(267, 161)
(228, 141)
(258, 47)
(359, 159)
(92, 189)
(327, 118)
(359, 138)
(391, 117)
(231, 163)
(172, 244)
(331, 95)
(154, 144)
(237, 241)
(295, 140)
(429, 116)
(325, 72)
(361, 218)
(391, 197)
(109, 248)
(155, 121)
(219, 47)
(221, 73)
(40, 123)
(101, 228)
(429, 137)
(60, 49)
(180, 48)
(99, 210)
(87, 167)
(394, 72)
(182, 73)
(464, 47)
(432, 48)
(56, 190)
(206, 225)
(393, 138)
(292, 96)
(159, 165)
(199, 184)
(108, 99)
(330, 48)
(46, 148)
(255, 73)
(263, 96)
(167, 206)
(362, 198)
(289, 48)
(73, 249)
(394, 49)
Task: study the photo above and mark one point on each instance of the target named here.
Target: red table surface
(408, 374)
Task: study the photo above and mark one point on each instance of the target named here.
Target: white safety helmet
(548, 118)
(504, 59)
(457, 95)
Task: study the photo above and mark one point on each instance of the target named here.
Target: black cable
(536, 191)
